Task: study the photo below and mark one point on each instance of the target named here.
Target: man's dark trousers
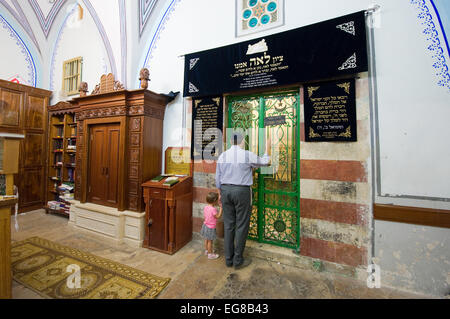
(237, 208)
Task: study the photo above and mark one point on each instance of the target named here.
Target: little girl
(209, 225)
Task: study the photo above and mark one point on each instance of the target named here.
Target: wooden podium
(5, 248)
(168, 215)
(9, 165)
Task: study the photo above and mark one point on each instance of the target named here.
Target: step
(286, 256)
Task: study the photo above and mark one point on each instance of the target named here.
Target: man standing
(234, 179)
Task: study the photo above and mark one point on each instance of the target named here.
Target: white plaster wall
(413, 109)
(15, 59)
(110, 18)
(79, 38)
(415, 258)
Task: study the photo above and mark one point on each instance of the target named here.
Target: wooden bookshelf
(61, 154)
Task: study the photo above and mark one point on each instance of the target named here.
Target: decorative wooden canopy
(62, 108)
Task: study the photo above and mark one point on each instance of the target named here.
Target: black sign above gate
(323, 50)
(330, 112)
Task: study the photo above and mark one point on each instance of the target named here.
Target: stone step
(289, 257)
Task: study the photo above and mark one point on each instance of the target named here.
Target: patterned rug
(49, 269)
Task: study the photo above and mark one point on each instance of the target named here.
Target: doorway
(103, 171)
(275, 215)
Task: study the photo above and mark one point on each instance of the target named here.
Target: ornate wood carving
(133, 202)
(133, 187)
(134, 171)
(79, 159)
(141, 115)
(135, 139)
(107, 84)
(83, 89)
(135, 124)
(144, 77)
(134, 156)
(62, 108)
(148, 111)
(104, 112)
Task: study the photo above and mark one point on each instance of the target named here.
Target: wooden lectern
(168, 209)
(168, 215)
(9, 165)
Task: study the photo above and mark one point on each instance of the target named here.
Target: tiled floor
(193, 276)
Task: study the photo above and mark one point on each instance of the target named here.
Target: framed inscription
(178, 161)
(330, 112)
(207, 124)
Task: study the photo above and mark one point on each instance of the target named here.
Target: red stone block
(205, 167)
(199, 194)
(338, 212)
(342, 171)
(333, 252)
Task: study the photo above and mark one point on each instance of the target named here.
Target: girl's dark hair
(211, 198)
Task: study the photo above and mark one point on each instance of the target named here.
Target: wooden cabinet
(168, 215)
(62, 141)
(23, 110)
(119, 144)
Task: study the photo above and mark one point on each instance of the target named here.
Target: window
(72, 75)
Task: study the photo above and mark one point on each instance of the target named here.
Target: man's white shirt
(235, 166)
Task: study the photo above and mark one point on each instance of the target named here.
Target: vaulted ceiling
(27, 12)
(38, 24)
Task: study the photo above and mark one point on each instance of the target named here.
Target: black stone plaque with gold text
(330, 112)
(207, 125)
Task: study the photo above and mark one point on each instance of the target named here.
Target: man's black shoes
(244, 264)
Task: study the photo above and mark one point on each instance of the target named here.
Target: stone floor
(193, 276)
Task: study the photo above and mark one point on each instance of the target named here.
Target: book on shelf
(66, 187)
(68, 196)
(53, 205)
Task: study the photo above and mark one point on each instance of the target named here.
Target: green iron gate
(276, 190)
